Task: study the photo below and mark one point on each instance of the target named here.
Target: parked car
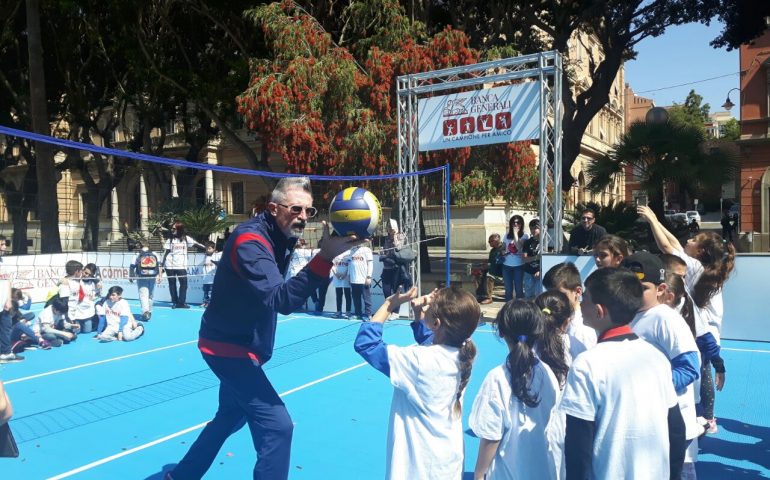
(692, 214)
(678, 219)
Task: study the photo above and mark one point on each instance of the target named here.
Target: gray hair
(289, 183)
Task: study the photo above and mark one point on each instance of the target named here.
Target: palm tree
(660, 154)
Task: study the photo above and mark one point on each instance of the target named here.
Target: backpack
(147, 265)
(404, 256)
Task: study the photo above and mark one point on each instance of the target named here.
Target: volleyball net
(109, 200)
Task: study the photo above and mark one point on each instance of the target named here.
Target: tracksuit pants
(246, 397)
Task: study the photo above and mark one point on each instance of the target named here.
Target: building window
(236, 193)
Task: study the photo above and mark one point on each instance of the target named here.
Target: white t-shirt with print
(514, 255)
(209, 267)
(497, 415)
(708, 318)
(113, 312)
(340, 266)
(625, 387)
(81, 299)
(177, 256)
(361, 264)
(47, 319)
(425, 439)
(667, 331)
(299, 258)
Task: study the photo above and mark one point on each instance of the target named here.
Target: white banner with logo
(482, 117)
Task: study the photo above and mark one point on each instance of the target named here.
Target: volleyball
(355, 211)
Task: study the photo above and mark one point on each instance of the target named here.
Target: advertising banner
(483, 117)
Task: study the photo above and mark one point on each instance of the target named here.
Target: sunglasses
(297, 210)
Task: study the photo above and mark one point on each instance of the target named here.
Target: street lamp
(728, 104)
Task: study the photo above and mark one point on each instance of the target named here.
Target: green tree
(664, 153)
(732, 130)
(691, 113)
(533, 26)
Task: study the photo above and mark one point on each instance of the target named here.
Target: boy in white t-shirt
(209, 267)
(120, 322)
(360, 272)
(621, 409)
(667, 331)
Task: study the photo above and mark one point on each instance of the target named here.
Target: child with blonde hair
(425, 435)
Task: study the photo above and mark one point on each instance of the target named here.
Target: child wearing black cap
(667, 331)
(622, 420)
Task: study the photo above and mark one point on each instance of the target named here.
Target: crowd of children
(610, 377)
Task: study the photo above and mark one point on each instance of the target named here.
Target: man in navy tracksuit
(238, 328)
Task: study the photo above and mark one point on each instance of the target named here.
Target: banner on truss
(481, 117)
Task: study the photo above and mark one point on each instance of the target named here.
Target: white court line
(83, 365)
(114, 359)
(745, 350)
(190, 429)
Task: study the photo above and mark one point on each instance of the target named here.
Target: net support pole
(447, 203)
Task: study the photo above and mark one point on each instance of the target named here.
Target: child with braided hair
(515, 403)
(425, 435)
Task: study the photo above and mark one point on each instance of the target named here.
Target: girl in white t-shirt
(553, 347)
(513, 260)
(175, 263)
(341, 282)
(709, 262)
(515, 404)
(425, 435)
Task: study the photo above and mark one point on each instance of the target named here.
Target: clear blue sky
(682, 55)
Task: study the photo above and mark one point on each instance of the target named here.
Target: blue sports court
(131, 409)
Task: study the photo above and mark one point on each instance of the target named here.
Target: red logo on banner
(484, 123)
(503, 120)
(450, 127)
(467, 125)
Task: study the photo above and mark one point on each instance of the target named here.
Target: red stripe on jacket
(222, 349)
(243, 238)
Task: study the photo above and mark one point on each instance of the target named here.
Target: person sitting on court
(119, 322)
(622, 416)
(425, 435)
(53, 323)
(23, 334)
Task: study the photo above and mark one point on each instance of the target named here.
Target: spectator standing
(585, 235)
(6, 325)
(146, 270)
(532, 260)
(393, 274)
(360, 275)
(341, 283)
(513, 261)
(209, 264)
(175, 263)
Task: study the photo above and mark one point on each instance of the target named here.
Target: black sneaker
(146, 316)
(182, 305)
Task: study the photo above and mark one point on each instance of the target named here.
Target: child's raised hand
(399, 298)
(420, 305)
(646, 212)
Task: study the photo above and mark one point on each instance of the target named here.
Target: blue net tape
(200, 166)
